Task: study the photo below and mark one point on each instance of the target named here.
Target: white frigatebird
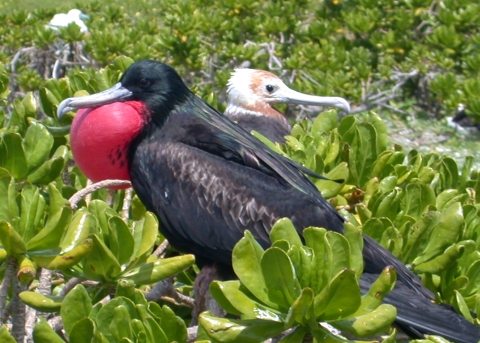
(251, 94)
(208, 180)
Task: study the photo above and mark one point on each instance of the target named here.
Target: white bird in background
(63, 20)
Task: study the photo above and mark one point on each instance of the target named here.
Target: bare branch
(161, 249)
(8, 277)
(95, 187)
(127, 200)
(18, 309)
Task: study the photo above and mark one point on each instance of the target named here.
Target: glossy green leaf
(42, 333)
(101, 264)
(283, 229)
(173, 326)
(50, 236)
(280, 277)
(108, 312)
(32, 212)
(368, 324)
(377, 291)
(441, 262)
(152, 272)
(232, 299)
(13, 158)
(8, 208)
(120, 239)
(340, 299)
(316, 239)
(246, 257)
(444, 234)
(75, 308)
(82, 331)
(144, 235)
(11, 240)
(120, 326)
(56, 200)
(302, 311)
(37, 145)
(77, 231)
(239, 331)
(51, 169)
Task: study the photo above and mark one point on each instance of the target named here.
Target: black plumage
(208, 180)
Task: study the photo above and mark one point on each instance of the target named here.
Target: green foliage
(296, 286)
(126, 318)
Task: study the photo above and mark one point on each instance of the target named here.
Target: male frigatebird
(251, 94)
(208, 180)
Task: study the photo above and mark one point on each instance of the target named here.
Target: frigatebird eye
(144, 82)
(269, 88)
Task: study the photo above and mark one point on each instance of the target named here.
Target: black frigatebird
(251, 94)
(208, 180)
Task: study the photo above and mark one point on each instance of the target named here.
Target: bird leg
(203, 298)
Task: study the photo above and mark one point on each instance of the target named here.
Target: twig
(127, 200)
(56, 323)
(69, 286)
(5, 287)
(161, 249)
(75, 199)
(164, 289)
(18, 309)
(192, 333)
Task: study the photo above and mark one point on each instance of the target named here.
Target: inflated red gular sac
(100, 137)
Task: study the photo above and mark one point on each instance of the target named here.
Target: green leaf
(13, 157)
(6, 337)
(100, 264)
(302, 311)
(82, 331)
(280, 277)
(283, 229)
(8, 207)
(325, 122)
(76, 307)
(57, 201)
(120, 326)
(50, 236)
(37, 145)
(417, 198)
(42, 333)
(77, 231)
(232, 299)
(377, 291)
(108, 312)
(340, 299)
(152, 272)
(174, 327)
(32, 212)
(239, 331)
(316, 239)
(120, 239)
(462, 307)
(444, 233)
(371, 323)
(144, 235)
(441, 262)
(51, 169)
(246, 257)
(11, 240)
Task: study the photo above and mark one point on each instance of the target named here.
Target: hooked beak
(289, 96)
(111, 95)
(84, 16)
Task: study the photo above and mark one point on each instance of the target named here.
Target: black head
(155, 84)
